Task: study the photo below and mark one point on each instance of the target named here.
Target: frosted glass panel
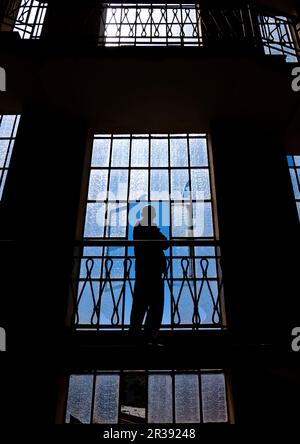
(4, 144)
(101, 150)
(187, 403)
(140, 153)
(79, 399)
(120, 153)
(160, 399)
(98, 185)
(297, 160)
(95, 220)
(214, 398)
(178, 152)
(159, 153)
(202, 219)
(159, 185)
(198, 152)
(138, 184)
(200, 184)
(6, 126)
(106, 399)
(181, 220)
(116, 220)
(118, 185)
(180, 185)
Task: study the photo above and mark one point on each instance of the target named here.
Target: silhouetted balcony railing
(187, 24)
(25, 17)
(104, 277)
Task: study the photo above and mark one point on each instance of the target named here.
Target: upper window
(277, 35)
(8, 130)
(30, 19)
(294, 167)
(150, 24)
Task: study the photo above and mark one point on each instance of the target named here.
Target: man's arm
(161, 237)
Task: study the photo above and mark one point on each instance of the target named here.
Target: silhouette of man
(150, 265)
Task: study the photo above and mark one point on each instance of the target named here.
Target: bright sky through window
(8, 130)
(30, 19)
(154, 24)
(277, 37)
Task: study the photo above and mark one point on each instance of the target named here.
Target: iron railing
(162, 24)
(103, 285)
(25, 17)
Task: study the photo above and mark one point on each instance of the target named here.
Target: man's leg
(139, 307)
(156, 309)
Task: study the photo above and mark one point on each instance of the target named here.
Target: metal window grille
(150, 24)
(30, 17)
(279, 36)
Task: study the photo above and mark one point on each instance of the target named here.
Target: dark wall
(259, 229)
(39, 214)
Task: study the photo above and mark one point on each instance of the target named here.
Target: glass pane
(3, 175)
(182, 220)
(159, 185)
(101, 148)
(116, 220)
(140, 153)
(202, 219)
(118, 185)
(159, 152)
(86, 305)
(108, 314)
(178, 152)
(160, 399)
(180, 184)
(95, 220)
(79, 399)
(295, 184)
(4, 144)
(6, 126)
(290, 160)
(187, 403)
(138, 185)
(200, 184)
(98, 185)
(120, 153)
(209, 309)
(106, 399)
(198, 152)
(297, 160)
(214, 398)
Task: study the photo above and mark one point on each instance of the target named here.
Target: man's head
(148, 215)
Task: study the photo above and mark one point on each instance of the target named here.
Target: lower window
(148, 396)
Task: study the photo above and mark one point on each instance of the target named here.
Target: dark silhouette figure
(150, 266)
